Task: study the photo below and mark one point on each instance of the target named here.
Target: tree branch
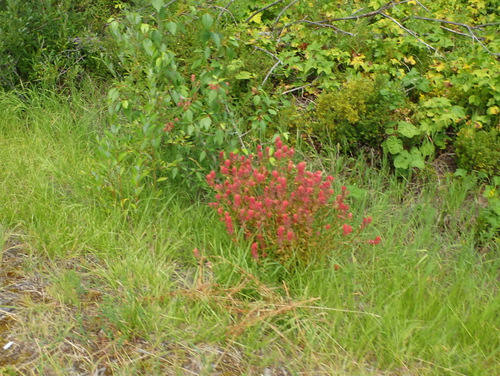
(411, 32)
(468, 27)
(458, 32)
(222, 10)
(262, 9)
(270, 71)
(353, 16)
(322, 24)
(269, 53)
(281, 13)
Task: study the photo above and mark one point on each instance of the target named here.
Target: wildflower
(366, 222)
(237, 200)
(346, 229)
(280, 232)
(254, 248)
(168, 126)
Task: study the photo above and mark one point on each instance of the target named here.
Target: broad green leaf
(157, 4)
(175, 171)
(188, 115)
(458, 111)
(402, 160)
(427, 148)
(207, 21)
(216, 38)
(148, 46)
(206, 122)
(113, 94)
(171, 27)
(460, 173)
(190, 129)
(407, 129)
(416, 159)
(205, 36)
(212, 96)
(394, 145)
(203, 155)
(219, 136)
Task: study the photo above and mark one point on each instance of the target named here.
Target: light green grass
(124, 291)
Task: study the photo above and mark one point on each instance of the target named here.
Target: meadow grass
(122, 291)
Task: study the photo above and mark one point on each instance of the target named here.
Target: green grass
(123, 292)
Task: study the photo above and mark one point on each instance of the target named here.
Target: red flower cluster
(279, 205)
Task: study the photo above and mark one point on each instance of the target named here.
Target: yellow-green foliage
(347, 104)
(479, 150)
(354, 116)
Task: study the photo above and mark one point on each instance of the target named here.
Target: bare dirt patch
(16, 288)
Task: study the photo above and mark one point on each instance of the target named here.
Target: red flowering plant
(281, 207)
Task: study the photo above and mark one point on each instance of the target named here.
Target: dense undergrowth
(128, 295)
(354, 155)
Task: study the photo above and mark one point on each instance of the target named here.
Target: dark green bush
(51, 41)
(356, 115)
(478, 150)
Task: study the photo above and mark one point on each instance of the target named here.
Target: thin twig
(270, 71)
(468, 27)
(427, 10)
(262, 9)
(441, 21)
(412, 33)
(323, 24)
(229, 4)
(457, 32)
(295, 89)
(281, 13)
(390, 4)
(222, 10)
(269, 53)
(170, 3)
(240, 137)
(486, 24)
(353, 16)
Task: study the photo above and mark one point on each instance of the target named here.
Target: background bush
(51, 41)
(479, 150)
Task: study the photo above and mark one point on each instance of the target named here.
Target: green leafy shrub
(170, 110)
(436, 76)
(50, 41)
(478, 150)
(289, 213)
(161, 121)
(356, 115)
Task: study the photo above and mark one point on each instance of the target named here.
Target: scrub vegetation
(249, 188)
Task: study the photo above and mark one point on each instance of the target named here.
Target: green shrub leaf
(394, 145)
(407, 129)
(157, 4)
